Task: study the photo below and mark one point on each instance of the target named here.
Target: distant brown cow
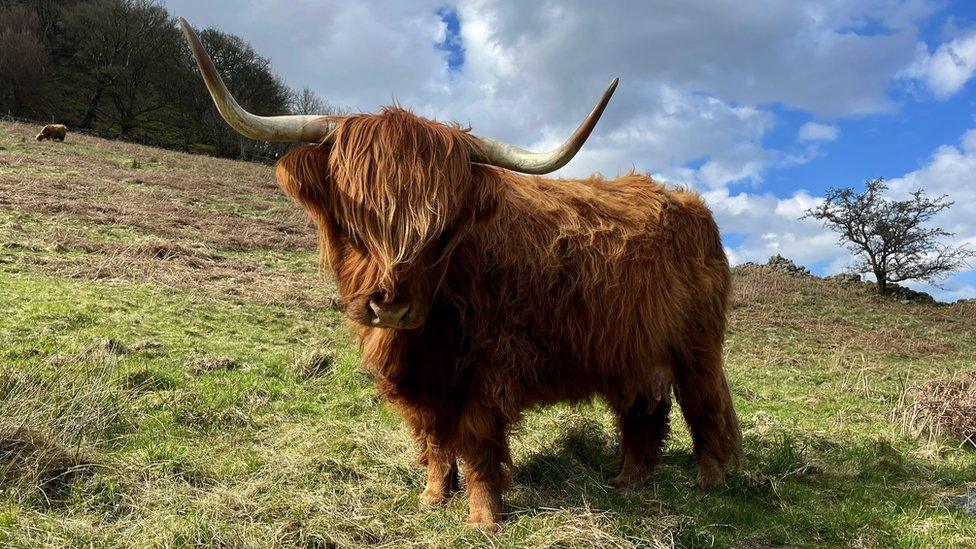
(54, 132)
(479, 292)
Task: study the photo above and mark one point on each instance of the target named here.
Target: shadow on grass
(792, 489)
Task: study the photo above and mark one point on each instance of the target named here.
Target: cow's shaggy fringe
(536, 291)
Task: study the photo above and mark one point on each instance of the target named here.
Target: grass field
(173, 373)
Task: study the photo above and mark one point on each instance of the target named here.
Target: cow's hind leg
(706, 403)
(644, 426)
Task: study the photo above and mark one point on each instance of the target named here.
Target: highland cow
(54, 132)
(479, 292)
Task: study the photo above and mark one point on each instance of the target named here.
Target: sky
(760, 106)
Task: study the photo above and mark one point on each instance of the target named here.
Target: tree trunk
(127, 124)
(882, 282)
(89, 117)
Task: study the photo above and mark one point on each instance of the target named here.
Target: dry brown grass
(177, 220)
(177, 266)
(764, 301)
(943, 406)
(213, 364)
(315, 363)
(965, 309)
(38, 463)
(49, 421)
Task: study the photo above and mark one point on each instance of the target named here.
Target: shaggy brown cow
(479, 292)
(54, 132)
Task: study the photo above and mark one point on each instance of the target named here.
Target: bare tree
(892, 238)
(22, 59)
(306, 101)
(153, 63)
(107, 35)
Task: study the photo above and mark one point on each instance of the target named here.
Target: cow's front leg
(434, 454)
(483, 447)
(442, 472)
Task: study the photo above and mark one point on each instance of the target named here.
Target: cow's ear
(303, 174)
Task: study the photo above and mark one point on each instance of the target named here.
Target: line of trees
(121, 67)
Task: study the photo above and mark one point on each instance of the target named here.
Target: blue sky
(887, 144)
(760, 106)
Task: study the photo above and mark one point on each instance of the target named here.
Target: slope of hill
(172, 373)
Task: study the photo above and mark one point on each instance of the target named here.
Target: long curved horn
(506, 155)
(302, 128)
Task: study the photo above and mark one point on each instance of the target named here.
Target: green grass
(139, 411)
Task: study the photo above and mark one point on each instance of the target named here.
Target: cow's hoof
(633, 473)
(485, 524)
(433, 498)
(710, 474)
(625, 481)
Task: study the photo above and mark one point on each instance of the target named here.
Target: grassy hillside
(172, 373)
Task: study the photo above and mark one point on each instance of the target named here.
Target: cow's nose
(392, 314)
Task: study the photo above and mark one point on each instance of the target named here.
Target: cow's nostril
(376, 308)
(389, 315)
(406, 310)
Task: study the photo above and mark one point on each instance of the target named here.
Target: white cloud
(716, 48)
(950, 172)
(358, 55)
(770, 225)
(812, 131)
(532, 70)
(676, 129)
(946, 71)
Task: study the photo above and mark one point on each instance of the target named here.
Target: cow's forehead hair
(400, 179)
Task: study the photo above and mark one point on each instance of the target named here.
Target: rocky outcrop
(903, 294)
(844, 278)
(779, 264)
